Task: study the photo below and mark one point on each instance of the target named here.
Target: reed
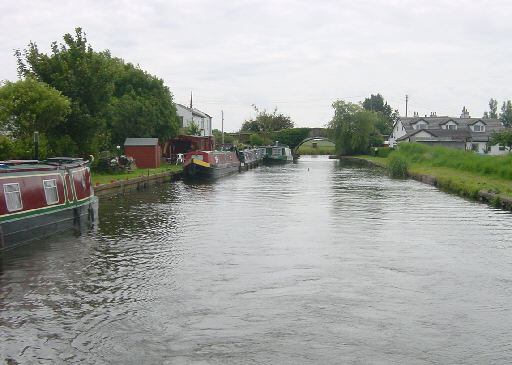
(495, 166)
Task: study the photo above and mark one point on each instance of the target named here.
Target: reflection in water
(306, 263)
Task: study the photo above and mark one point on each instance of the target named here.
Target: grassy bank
(322, 148)
(461, 172)
(101, 177)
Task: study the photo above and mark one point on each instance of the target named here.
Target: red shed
(145, 151)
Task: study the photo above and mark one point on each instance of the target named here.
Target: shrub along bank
(462, 172)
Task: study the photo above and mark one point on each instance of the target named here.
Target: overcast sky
(298, 56)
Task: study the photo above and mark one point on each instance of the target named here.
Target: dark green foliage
(81, 74)
(354, 128)
(141, 106)
(193, 129)
(256, 139)
(384, 151)
(29, 105)
(292, 137)
(503, 138)
(267, 122)
(397, 166)
(386, 116)
(506, 114)
(110, 100)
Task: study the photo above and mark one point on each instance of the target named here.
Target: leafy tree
(141, 105)
(387, 116)
(193, 129)
(354, 128)
(506, 114)
(81, 74)
(256, 139)
(29, 105)
(292, 137)
(267, 122)
(503, 138)
(493, 107)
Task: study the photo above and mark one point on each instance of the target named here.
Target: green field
(322, 148)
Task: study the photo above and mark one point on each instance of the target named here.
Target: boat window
(50, 190)
(13, 197)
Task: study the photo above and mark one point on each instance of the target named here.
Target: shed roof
(141, 142)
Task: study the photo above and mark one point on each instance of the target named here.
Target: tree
(29, 105)
(256, 139)
(141, 105)
(193, 129)
(506, 114)
(493, 107)
(503, 138)
(354, 128)
(292, 137)
(387, 116)
(84, 76)
(267, 122)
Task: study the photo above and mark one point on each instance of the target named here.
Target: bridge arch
(317, 138)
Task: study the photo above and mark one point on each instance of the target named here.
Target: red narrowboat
(210, 164)
(41, 198)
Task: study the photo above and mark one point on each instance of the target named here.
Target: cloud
(297, 55)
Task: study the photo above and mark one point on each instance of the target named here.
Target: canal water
(310, 263)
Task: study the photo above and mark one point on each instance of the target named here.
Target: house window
(181, 118)
(452, 126)
(422, 126)
(478, 128)
(12, 195)
(474, 147)
(50, 190)
(501, 147)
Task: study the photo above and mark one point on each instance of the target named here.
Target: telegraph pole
(406, 101)
(222, 127)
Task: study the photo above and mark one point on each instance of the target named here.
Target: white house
(464, 133)
(203, 120)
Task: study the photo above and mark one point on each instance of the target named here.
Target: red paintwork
(69, 188)
(214, 158)
(32, 191)
(79, 176)
(30, 180)
(146, 157)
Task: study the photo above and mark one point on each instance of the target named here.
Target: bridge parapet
(318, 132)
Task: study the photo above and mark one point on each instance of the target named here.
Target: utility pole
(406, 101)
(222, 127)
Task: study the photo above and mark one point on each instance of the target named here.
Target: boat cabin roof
(53, 163)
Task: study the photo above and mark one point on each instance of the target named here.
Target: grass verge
(100, 177)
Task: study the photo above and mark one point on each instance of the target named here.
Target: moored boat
(250, 158)
(210, 164)
(41, 198)
(278, 154)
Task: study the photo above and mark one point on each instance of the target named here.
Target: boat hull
(197, 171)
(40, 225)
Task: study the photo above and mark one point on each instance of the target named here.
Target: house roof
(194, 111)
(435, 122)
(141, 141)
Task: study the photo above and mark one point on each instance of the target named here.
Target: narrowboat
(278, 154)
(41, 198)
(210, 164)
(249, 158)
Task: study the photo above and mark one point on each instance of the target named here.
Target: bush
(397, 166)
(384, 151)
